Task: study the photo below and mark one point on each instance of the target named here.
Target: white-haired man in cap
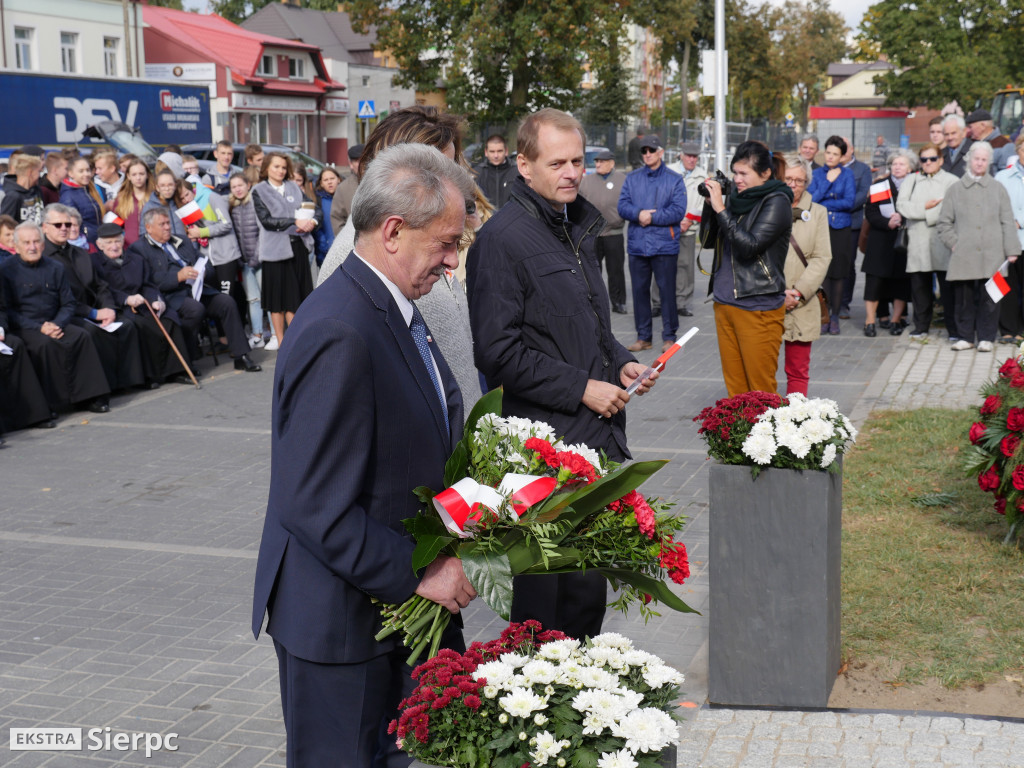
(602, 189)
(983, 128)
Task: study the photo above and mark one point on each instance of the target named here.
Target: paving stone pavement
(128, 545)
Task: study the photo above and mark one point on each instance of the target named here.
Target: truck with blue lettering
(131, 115)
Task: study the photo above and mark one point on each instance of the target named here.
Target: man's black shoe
(684, 312)
(180, 378)
(656, 309)
(100, 405)
(619, 309)
(245, 363)
(45, 424)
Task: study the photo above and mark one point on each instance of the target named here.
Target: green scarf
(744, 202)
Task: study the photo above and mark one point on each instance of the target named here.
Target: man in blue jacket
(653, 201)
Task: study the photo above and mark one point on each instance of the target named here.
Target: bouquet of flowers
(763, 429)
(539, 698)
(995, 454)
(519, 501)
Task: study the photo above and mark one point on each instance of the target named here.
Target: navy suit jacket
(163, 270)
(357, 425)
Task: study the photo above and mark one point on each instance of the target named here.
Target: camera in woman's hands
(723, 182)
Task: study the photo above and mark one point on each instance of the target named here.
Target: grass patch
(927, 582)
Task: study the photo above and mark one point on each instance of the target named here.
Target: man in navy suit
(365, 409)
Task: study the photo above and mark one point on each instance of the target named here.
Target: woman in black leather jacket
(750, 233)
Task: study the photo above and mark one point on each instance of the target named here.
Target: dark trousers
(220, 307)
(976, 313)
(158, 360)
(1010, 306)
(922, 288)
(68, 368)
(119, 352)
(573, 603)
(612, 251)
(663, 269)
(21, 395)
(851, 279)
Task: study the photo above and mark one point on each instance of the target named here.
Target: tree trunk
(684, 80)
(517, 99)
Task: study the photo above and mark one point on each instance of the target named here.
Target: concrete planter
(667, 759)
(775, 552)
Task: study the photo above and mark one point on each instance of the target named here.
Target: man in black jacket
(495, 174)
(94, 304)
(542, 329)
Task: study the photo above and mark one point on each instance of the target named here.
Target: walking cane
(169, 341)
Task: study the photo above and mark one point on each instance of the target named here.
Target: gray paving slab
(128, 544)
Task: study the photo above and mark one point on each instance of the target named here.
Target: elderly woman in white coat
(919, 202)
(809, 243)
(976, 224)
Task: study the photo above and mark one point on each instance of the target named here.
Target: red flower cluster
(578, 466)
(674, 560)
(992, 404)
(1008, 445)
(989, 479)
(446, 682)
(977, 432)
(634, 500)
(1015, 419)
(726, 424)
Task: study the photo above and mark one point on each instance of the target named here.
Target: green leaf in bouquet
(424, 494)
(653, 587)
(489, 403)
(431, 537)
(457, 466)
(490, 574)
(976, 460)
(502, 742)
(591, 498)
(584, 758)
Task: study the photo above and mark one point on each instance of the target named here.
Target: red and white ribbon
(467, 503)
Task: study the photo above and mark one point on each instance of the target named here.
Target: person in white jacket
(693, 175)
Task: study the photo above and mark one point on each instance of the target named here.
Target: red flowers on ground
(991, 405)
(977, 432)
(988, 480)
(1015, 419)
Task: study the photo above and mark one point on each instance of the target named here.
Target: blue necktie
(418, 329)
(173, 255)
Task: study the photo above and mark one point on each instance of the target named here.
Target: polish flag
(112, 218)
(189, 213)
(693, 216)
(880, 192)
(997, 286)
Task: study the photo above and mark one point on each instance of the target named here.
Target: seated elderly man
(131, 285)
(40, 307)
(21, 395)
(172, 263)
(94, 308)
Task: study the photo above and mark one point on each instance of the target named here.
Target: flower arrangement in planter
(538, 698)
(995, 456)
(520, 501)
(763, 429)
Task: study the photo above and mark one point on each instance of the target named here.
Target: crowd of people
(113, 274)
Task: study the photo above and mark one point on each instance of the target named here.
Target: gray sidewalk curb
(877, 385)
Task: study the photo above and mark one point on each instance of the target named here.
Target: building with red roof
(263, 89)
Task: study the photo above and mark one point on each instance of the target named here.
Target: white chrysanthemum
(607, 705)
(520, 702)
(513, 660)
(594, 724)
(612, 640)
(817, 430)
(595, 677)
(763, 427)
(546, 746)
(787, 434)
(659, 675)
(829, 456)
(539, 672)
(636, 658)
(823, 408)
(848, 426)
(602, 655)
(569, 672)
(496, 672)
(558, 650)
(796, 398)
(760, 448)
(524, 429)
(539, 719)
(646, 730)
(620, 759)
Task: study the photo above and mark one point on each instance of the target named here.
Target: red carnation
(991, 405)
(1008, 445)
(674, 560)
(989, 479)
(1015, 419)
(1009, 368)
(577, 465)
(543, 448)
(977, 431)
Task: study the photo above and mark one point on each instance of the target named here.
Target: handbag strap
(800, 253)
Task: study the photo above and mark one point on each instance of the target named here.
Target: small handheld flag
(189, 213)
(112, 218)
(997, 286)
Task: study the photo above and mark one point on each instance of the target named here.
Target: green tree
(498, 60)
(944, 49)
(239, 10)
(175, 4)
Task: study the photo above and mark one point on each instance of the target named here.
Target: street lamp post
(720, 81)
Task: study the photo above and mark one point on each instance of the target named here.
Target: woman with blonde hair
(807, 262)
(79, 192)
(133, 195)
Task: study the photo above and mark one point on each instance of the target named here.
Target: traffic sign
(366, 110)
